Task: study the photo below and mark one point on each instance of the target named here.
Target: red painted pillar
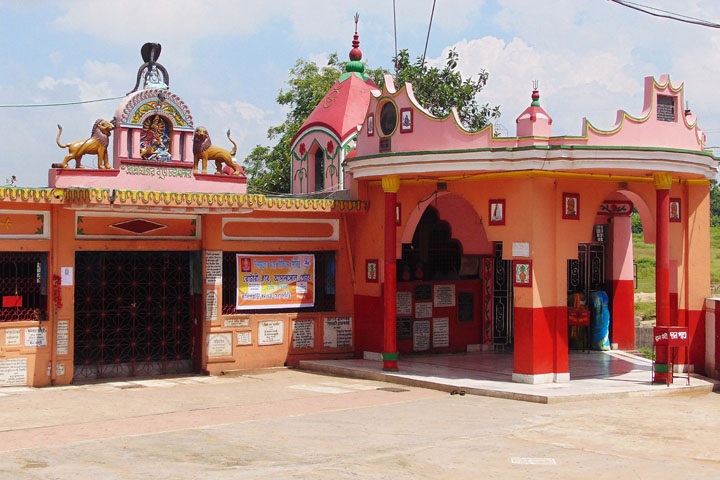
(390, 184)
(663, 182)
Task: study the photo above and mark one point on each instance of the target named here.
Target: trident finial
(535, 84)
(357, 18)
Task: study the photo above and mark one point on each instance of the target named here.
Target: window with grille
(23, 286)
(324, 283)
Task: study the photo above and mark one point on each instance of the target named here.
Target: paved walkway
(290, 424)
(593, 375)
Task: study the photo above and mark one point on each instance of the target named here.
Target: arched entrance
(606, 265)
(445, 279)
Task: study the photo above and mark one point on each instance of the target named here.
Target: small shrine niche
(155, 138)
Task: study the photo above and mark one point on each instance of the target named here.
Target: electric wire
(657, 12)
(427, 39)
(395, 32)
(59, 104)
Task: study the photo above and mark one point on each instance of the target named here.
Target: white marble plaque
(421, 335)
(211, 305)
(403, 307)
(520, 249)
(337, 332)
(303, 334)
(60, 369)
(244, 338)
(36, 337)
(213, 267)
(271, 332)
(62, 337)
(219, 344)
(444, 295)
(441, 332)
(13, 371)
(12, 336)
(237, 322)
(423, 310)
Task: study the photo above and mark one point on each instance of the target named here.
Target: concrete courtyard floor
(290, 424)
(593, 375)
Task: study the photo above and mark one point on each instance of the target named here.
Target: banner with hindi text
(275, 281)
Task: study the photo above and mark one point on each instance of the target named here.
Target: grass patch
(645, 309)
(715, 254)
(646, 352)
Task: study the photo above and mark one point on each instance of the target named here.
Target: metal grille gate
(132, 314)
(502, 299)
(587, 273)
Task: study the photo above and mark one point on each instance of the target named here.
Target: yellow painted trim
(541, 174)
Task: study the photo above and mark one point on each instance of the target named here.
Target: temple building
(405, 234)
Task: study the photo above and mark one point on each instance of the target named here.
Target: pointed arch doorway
(445, 276)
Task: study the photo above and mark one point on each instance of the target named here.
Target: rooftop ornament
(355, 65)
(154, 74)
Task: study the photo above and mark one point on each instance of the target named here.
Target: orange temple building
(406, 234)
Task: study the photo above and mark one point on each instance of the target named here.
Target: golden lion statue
(205, 150)
(97, 144)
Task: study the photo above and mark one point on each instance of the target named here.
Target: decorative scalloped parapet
(424, 132)
(664, 122)
(666, 126)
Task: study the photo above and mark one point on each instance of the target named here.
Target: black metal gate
(587, 273)
(132, 314)
(502, 299)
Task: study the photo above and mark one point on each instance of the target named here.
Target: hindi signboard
(275, 281)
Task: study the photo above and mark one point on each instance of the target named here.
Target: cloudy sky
(228, 59)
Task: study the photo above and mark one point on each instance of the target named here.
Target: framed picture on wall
(496, 213)
(371, 125)
(675, 215)
(571, 206)
(406, 120)
(522, 273)
(371, 270)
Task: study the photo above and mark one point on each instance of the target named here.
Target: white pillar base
(375, 356)
(541, 378)
(533, 379)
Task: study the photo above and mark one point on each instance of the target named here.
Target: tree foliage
(714, 204)
(438, 90)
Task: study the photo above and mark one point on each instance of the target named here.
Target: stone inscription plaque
(219, 344)
(12, 336)
(270, 332)
(62, 337)
(337, 332)
(13, 371)
(303, 334)
(421, 335)
(244, 338)
(213, 267)
(441, 332)
(36, 337)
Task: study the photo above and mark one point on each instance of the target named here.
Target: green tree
(714, 204)
(439, 90)
(268, 168)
